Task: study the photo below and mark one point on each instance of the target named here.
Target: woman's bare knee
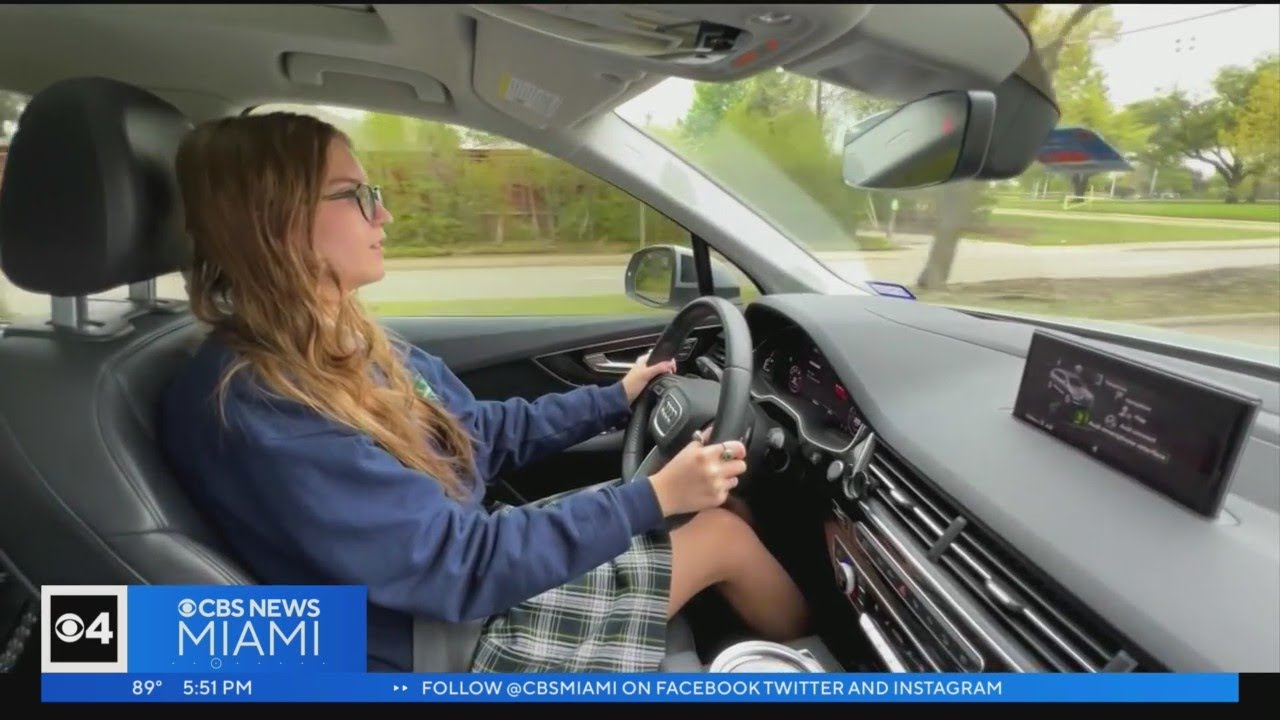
(705, 551)
(717, 547)
(730, 536)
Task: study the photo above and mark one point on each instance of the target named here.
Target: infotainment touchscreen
(1178, 435)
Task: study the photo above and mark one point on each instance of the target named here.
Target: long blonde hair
(251, 186)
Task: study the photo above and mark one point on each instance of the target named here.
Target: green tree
(775, 92)
(385, 132)
(1207, 130)
(710, 102)
(1256, 135)
(420, 166)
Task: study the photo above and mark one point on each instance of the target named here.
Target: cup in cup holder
(761, 656)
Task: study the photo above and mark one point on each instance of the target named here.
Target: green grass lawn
(394, 250)
(1261, 211)
(580, 305)
(1226, 291)
(1090, 231)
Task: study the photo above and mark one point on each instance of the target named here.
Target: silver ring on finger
(726, 454)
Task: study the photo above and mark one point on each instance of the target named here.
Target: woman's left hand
(642, 373)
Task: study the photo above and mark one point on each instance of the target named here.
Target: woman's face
(344, 237)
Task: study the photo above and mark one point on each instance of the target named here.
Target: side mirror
(939, 138)
(664, 276)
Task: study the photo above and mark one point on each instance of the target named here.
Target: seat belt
(440, 647)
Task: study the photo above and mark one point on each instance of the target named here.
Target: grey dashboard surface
(938, 387)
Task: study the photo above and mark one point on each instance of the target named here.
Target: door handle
(600, 363)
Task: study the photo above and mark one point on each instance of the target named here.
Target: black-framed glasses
(367, 197)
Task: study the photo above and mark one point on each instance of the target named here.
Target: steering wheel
(685, 405)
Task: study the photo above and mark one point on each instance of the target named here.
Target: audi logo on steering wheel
(668, 413)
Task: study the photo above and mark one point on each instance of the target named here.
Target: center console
(905, 614)
(932, 592)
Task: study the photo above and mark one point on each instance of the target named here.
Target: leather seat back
(89, 202)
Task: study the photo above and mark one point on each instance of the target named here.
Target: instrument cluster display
(806, 380)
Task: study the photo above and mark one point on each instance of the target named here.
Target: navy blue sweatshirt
(303, 500)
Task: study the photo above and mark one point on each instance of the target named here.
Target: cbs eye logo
(84, 628)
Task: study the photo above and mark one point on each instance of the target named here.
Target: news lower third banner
(266, 643)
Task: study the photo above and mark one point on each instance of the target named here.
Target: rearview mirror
(939, 138)
(664, 276)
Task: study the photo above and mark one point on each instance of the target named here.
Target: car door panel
(503, 357)
(474, 343)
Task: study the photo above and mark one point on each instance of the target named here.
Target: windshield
(1185, 240)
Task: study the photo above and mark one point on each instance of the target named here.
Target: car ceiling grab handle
(309, 69)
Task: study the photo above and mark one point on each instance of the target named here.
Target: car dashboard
(957, 538)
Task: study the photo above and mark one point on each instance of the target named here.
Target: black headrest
(89, 199)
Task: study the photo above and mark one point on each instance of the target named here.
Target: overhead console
(557, 65)
(698, 42)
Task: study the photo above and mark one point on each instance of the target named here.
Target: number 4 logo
(100, 629)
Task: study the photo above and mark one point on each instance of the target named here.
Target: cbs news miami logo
(84, 628)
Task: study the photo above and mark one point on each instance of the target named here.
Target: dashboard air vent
(716, 353)
(1009, 590)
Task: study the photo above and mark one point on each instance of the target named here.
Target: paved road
(978, 261)
(508, 277)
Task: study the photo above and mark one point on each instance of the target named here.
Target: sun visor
(539, 81)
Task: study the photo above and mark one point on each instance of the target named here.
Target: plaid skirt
(613, 619)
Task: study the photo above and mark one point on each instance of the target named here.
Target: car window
(486, 226)
(11, 105)
(483, 226)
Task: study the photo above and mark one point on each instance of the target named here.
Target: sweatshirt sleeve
(515, 432)
(361, 517)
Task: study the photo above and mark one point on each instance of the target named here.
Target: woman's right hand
(699, 477)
